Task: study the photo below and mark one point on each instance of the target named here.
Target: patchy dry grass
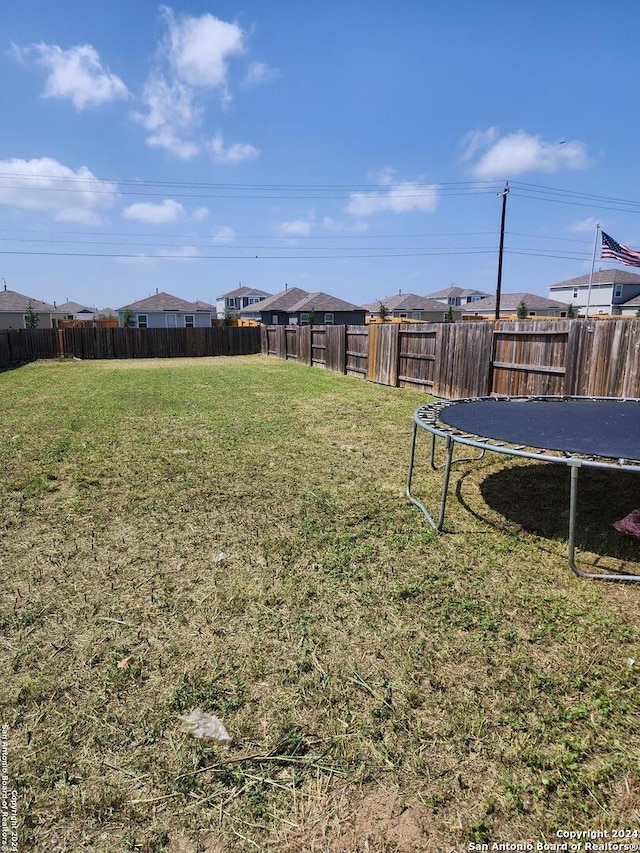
(232, 534)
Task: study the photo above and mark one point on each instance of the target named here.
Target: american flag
(611, 249)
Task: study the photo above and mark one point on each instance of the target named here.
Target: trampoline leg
(438, 467)
(415, 501)
(445, 481)
(445, 485)
(573, 504)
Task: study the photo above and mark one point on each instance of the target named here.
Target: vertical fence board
(417, 356)
(357, 350)
(304, 345)
(335, 354)
(318, 346)
(384, 369)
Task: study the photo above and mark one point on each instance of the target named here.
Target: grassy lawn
(232, 535)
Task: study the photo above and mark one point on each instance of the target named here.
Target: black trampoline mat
(606, 428)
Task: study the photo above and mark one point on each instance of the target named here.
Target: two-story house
(610, 293)
(230, 304)
(412, 307)
(457, 296)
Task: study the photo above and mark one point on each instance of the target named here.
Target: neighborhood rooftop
(164, 302)
(278, 302)
(11, 300)
(320, 301)
(243, 291)
(406, 302)
(600, 277)
(510, 302)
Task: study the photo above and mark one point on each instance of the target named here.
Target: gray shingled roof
(510, 302)
(632, 303)
(11, 300)
(244, 291)
(320, 301)
(406, 302)
(601, 277)
(278, 302)
(74, 308)
(455, 292)
(163, 302)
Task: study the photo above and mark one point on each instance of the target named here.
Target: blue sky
(351, 147)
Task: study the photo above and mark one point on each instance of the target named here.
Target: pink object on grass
(630, 524)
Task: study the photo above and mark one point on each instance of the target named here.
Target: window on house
(328, 319)
(532, 313)
(402, 314)
(304, 319)
(415, 315)
(189, 321)
(232, 302)
(142, 321)
(253, 299)
(575, 292)
(617, 291)
(274, 319)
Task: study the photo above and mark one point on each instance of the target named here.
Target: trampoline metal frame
(427, 417)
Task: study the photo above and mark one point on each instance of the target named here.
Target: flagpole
(593, 263)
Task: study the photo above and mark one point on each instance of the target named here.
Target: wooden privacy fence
(22, 345)
(456, 360)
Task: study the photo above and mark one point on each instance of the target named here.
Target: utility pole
(504, 195)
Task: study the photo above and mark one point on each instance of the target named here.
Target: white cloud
(224, 235)
(260, 72)
(77, 74)
(477, 140)
(236, 153)
(192, 58)
(334, 225)
(398, 197)
(154, 214)
(199, 48)
(45, 184)
(183, 253)
(171, 112)
(297, 227)
(520, 152)
(199, 214)
(584, 225)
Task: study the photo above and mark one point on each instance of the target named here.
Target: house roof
(510, 302)
(103, 313)
(600, 277)
(406, 302)
(163, 302)
(204, 306)
(11, 300)
(320, 301)
(632, 303)
(244, 291)
(278, 302)
(74, 308)
(456, 292)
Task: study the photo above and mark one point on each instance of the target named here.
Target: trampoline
(589, 432)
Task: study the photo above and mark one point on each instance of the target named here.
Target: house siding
(158, 319)
(15, 320)
(340, 318)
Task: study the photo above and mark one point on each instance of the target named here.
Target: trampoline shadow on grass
(535, 497)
